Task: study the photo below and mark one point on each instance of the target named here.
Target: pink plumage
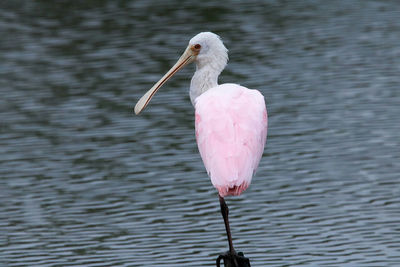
(231, 130)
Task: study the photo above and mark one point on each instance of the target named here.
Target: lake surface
(85, 182)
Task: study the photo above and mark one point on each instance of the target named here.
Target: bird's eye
(197, 46)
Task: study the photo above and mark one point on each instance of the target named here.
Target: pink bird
(231, 120)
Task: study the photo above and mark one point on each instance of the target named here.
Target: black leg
(231, 258)
(225, 212)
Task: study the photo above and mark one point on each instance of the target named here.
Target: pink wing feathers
(231, 130)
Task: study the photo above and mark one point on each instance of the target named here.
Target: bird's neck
(205, 77)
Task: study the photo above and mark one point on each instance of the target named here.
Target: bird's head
(206, 48)
(211, 50)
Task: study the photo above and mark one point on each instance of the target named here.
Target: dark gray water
(84, 182)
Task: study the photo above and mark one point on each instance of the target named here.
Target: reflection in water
(84, 182)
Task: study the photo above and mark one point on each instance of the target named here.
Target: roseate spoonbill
(231, 120)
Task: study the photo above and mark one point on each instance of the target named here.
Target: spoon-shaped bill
(187, 57)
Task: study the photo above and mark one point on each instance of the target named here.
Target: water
(84, 182)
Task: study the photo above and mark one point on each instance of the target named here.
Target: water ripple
(85, 182)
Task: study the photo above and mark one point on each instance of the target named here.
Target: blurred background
(84, 182)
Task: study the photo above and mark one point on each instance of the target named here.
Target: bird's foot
(233, 260)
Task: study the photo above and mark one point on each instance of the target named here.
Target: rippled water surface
(84, 182)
